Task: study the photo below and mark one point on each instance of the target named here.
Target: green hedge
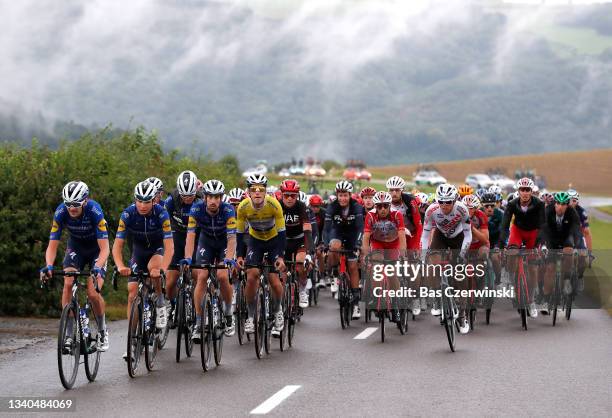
(31, 182)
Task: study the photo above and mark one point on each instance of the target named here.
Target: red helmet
(290, 186)
(316, 200)
(367, 191)
(357, 198)
(278, 195)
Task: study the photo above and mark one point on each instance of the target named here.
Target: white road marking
(274, 400)
(365, 333)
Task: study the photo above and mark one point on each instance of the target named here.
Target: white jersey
(451, 225)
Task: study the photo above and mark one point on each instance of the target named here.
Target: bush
(31, 181)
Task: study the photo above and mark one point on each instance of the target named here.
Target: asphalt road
(498, 369)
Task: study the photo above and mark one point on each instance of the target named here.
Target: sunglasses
(489, 206)
(524, 189)
(73, 204)
(290, 195)
(256, 189)
(445, 202)
(383, 206)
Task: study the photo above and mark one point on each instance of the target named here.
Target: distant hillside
(588, 171)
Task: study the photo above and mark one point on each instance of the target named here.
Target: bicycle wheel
(91, 355)
(472, 318)
(134, 340)
(68, 354)
(260, 321)
(449, 322)
(488, 315)
(218, 333)
(555, 299)
(180, 322)
(568, 306)
(150, 339)
(402, 325)
(189, 322)
(206, 331)
(287, 312)
(381, 324)
(239, 313)
(163, 336)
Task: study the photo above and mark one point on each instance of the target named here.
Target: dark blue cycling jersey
(146, 230)
(178, 212)
(88, 227)
(215, 227)
(584, 217)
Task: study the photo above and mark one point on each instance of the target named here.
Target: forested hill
(489, 82)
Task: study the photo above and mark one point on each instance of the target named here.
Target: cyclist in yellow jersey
(264, 217)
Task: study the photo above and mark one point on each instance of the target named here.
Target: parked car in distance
(350, 173)
(364, 175)
(428, 177)
(478, 181)
(315, 170)
(505, 182)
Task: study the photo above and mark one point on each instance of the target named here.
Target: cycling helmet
(446, 192)
(75, 192)
(304, 198)
(512, 196)
(186, 183)
(344, 186)
(562, 198)
(422, 198)
(547, 197)
(396, 182)
(226, 199)
(536, 189)
(236, 195)
(278, 195)
(145, 191)
(290, 186)
(367, 191)
(480, 192)
(465, 189)
(214, 187)
(495, 189)
(381, 197)
(159, 185)
(525, 182)
(315, 200)
(573, 194)
(431, 197)
(471, 201)
(488, 198)
(256, 179)
(332, 198)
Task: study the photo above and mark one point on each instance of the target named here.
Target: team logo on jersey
(54, 227)
(102, 225)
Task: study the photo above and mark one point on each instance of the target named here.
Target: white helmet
(471, 201)
(75, 192)
(159, 185)
(226, 199)
(214, 187)
(573, 194)
(332, 198)
(186, 183)
(446, 192)
(512, 196)
(145, 191)
(236, 194)
(396, 182)
(257, 179)
(422, 197)
(381, 197)
(525, 182)
(344, 186)
(304, 198)
(495, 189)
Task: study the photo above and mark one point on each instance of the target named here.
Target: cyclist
(178, 204)
(559, 232)
(480, 227)
(298, 228)
(316, 203)
(216, 244)
(148, 224)
(423, 203)
(407, 205)
(87, 245)
(267, 240)
(159, 186)
(584, 242)
(548, 198)
(450, 221)
(495, 217)
(528, 213)
(384, 233)
(344, 230)
(367, 194)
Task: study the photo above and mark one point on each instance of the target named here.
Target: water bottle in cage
(84, 322)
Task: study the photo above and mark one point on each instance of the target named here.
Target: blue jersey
(178, 212)
(216, 226)
(148, 230)
(90, 226)
(584, 217)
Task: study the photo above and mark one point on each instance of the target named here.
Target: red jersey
(384, 232)
(480, 222)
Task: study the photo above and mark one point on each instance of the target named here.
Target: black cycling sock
(356, 295)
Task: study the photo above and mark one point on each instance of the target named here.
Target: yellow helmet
(465, 189)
